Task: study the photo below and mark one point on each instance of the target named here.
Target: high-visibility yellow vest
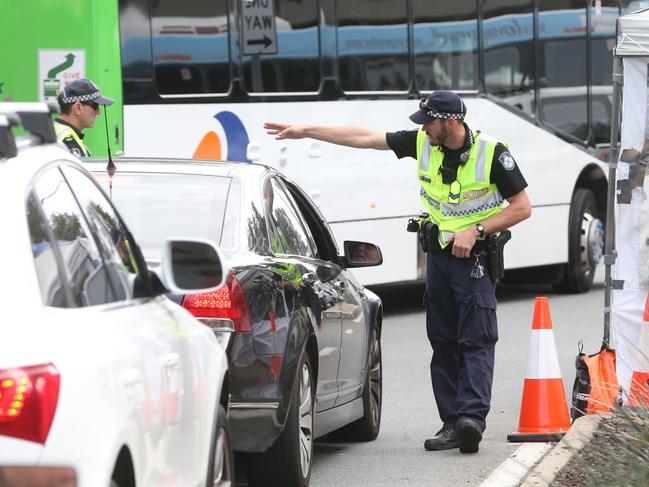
(470, 199)
(63, 132)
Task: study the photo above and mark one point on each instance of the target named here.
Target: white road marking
(513, 470)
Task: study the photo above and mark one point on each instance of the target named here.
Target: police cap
(439, 104)
(82, 90)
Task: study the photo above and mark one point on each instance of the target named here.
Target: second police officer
(465, 178)
(79, 101)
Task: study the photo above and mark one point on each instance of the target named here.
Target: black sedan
(302, 335)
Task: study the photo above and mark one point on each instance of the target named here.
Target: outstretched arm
(350, 136)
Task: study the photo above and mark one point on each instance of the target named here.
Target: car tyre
(585, 244)
(221, 464)
(367, 428)
(288, 462)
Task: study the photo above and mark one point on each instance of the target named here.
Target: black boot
(445, 439)
(469, 434)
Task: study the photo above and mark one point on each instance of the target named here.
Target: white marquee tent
(627, 275)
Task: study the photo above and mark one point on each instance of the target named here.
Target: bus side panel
(540, 240)
(30, 26)
(535, 242)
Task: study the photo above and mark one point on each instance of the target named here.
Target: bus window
(373, 52)
(296, 66)
(601, 111)
(135, 35)
(190, 46)
(508, 31)
(445, 44)
(603, 20)
(562, 65)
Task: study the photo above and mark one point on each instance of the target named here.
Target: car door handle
(309, 278)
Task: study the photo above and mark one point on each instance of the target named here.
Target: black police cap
(439, 104)
(82, 90)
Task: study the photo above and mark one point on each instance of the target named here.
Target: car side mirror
(362, 254)
(192, 266)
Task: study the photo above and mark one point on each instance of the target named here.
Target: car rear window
(158, 206)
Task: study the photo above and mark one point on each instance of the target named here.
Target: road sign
(258, 34)
(56, 68)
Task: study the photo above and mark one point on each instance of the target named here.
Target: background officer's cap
(439, 104)
(82, 90)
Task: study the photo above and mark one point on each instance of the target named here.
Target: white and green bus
(197, 78)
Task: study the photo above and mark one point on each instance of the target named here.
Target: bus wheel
(585, 244)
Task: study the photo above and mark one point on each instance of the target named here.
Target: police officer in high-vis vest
(79, 101)
(465, 177)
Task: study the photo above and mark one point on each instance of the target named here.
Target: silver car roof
(183, 166)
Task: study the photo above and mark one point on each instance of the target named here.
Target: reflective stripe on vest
(63, 131)
(486, 202)
(471, 198)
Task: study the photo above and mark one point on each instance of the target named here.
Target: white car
(104, 381)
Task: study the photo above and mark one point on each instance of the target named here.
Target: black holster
(429, 237)
(495, 246)
(427, 233)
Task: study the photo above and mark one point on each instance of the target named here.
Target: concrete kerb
(578, 436)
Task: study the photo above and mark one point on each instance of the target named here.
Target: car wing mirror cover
(192, 266)
(362, 254)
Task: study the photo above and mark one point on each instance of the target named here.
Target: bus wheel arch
(594, 179)
(586, 230)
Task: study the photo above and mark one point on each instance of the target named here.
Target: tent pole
(609, 245)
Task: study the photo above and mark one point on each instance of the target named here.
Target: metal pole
(609, 251)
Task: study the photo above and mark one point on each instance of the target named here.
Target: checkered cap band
(73, 99)
(436, 114)
(432, 112)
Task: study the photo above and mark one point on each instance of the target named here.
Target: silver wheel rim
(375, 379)
(591, 243)
(223, 461)
(306, 421)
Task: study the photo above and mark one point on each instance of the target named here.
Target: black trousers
(462, 330)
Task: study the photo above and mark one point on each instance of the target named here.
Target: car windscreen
(157, 206)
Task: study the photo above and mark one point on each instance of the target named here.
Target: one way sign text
(258, 34)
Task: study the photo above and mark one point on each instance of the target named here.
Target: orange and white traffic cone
(544, 409)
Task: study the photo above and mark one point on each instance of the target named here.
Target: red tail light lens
(228, 302)
(28, 398)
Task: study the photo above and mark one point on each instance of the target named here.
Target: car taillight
(28, 398)
(226, 303)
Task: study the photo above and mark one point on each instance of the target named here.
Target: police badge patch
(474, 193)
(507, 161)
